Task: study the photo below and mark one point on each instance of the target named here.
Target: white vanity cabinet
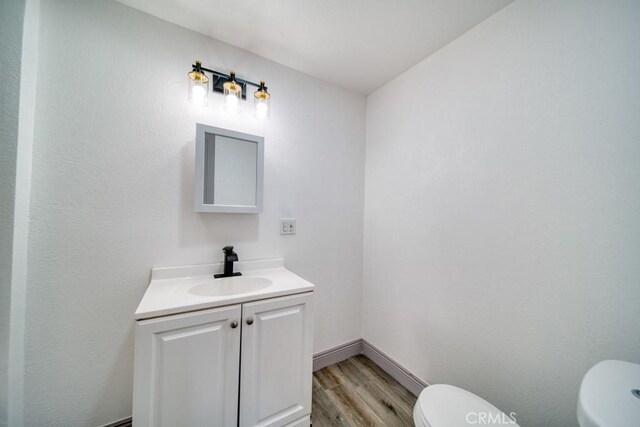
(246, 364)
(276, 368)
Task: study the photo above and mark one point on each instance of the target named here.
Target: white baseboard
(125, 422)
(360, 346)
(412, 383)
(337, 354)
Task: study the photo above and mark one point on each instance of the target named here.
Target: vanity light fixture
(233, 88)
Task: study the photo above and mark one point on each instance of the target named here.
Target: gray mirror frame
(199, 176)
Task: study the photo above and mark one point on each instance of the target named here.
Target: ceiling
(357, 44)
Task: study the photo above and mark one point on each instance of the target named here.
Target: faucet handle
(227, 249)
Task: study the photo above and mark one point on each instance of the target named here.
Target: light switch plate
(287, 226)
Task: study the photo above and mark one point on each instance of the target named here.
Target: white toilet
(442, 405)
(609, 396)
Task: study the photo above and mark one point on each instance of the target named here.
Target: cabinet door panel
(187, 369)
(275, 388)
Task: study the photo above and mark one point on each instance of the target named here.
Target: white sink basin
(229, 286)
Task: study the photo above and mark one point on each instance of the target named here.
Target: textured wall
(502, 206)
(11, 19)
(112, 196)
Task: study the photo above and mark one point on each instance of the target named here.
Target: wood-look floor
(356, 392)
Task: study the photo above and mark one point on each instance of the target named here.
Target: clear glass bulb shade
(198, 89)
(231, 103)
(232, 96)
(261, 102)
(262, 108)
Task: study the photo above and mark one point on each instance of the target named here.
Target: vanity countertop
(176, 290)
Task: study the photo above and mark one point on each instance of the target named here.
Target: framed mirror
(229, 171)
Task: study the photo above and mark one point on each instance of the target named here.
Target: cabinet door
(187, 369)
(276, 367)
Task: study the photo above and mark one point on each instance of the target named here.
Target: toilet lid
(610, 395)
(442, 405)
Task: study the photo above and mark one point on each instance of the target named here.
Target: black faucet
(229, 258)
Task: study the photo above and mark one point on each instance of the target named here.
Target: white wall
(502, 206)
(11, 20)
(112, 196)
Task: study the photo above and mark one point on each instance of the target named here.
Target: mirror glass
(228, 171)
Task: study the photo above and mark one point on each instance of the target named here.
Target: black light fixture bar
(220, 78)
